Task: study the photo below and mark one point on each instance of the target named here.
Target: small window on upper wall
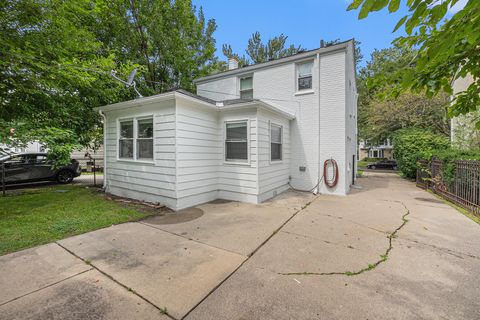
(275, 142)
(246, 88)
(304, 76)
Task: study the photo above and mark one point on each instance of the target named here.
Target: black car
(33, 167)
(383, 164)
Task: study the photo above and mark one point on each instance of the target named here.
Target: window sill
(236, 163)
(136, 161)
(276, 161)
(304, 92)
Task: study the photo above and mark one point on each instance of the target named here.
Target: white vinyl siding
(272, 175)
(152, 180)
(199, 153)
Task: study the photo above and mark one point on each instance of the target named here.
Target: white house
(248, 134)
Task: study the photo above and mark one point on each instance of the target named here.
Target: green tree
(448, 48)
(53, 70)
(381, 115)
(171, 40)
(258, 51)
(56, 57)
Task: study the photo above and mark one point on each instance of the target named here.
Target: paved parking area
(294, 257)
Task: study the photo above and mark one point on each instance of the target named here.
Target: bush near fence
(456, 180)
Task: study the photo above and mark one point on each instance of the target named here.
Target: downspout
(104, 148)
(319, 120)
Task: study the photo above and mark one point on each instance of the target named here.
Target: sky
(305, 22)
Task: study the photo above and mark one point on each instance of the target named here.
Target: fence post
(3, 178)
(94, 173)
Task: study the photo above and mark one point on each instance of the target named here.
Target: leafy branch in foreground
(448, 48)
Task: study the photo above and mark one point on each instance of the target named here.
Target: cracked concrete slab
(32, 269)
(233, 226)
(415, 283)
(89, 295)
(170, 271)
(286, 253)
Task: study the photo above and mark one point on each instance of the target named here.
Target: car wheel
(65, 176)
(373, 167)
(395, 168)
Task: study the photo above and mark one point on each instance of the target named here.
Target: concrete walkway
(387, 251)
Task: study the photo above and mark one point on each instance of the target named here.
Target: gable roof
(298, 56)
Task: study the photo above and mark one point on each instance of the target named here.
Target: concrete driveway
(387, 251)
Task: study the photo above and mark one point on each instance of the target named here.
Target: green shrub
(412, 144)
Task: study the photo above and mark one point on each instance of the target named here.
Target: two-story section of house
(247, 135)
(319, 87)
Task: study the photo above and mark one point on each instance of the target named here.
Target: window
(236, 141)
(304, 76)
(135, 140)
(246, 88)
(275, 142)
(125, 142)
(145, 139)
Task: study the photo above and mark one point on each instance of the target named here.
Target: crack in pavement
(383, 257)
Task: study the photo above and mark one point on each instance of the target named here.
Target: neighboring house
(378, 151)
(248, 134)
(464, 134)
(29, 147)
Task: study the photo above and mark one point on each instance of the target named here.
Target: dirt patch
(181, 216)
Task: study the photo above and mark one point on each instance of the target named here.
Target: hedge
(412, 144)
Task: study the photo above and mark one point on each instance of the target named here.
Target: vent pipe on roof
(232, 63)
(322, 43)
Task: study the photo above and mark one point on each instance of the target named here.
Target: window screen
(125, 141)
(304, 72)
(246, 88)
(145, 139)
(236, 143)
(275, 142)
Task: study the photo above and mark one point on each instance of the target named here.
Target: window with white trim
(135, 141)
(125, 141)
(276, 142)
(246, 88)
(145, 139)
(236, 141)
(304, 76)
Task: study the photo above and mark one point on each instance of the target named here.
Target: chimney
(322, 43)
(232, 63)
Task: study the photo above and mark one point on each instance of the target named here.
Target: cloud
(458, 6)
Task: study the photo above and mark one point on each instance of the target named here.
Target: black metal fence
(458, 182)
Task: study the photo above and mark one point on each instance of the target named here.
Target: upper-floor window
(304, 76)
(275, 142)
(246, 88)
(136, 139)
(236, 140)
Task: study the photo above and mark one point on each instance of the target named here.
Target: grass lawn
(39, 216)
(364, 164)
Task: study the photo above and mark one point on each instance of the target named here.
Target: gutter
(104, 148)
